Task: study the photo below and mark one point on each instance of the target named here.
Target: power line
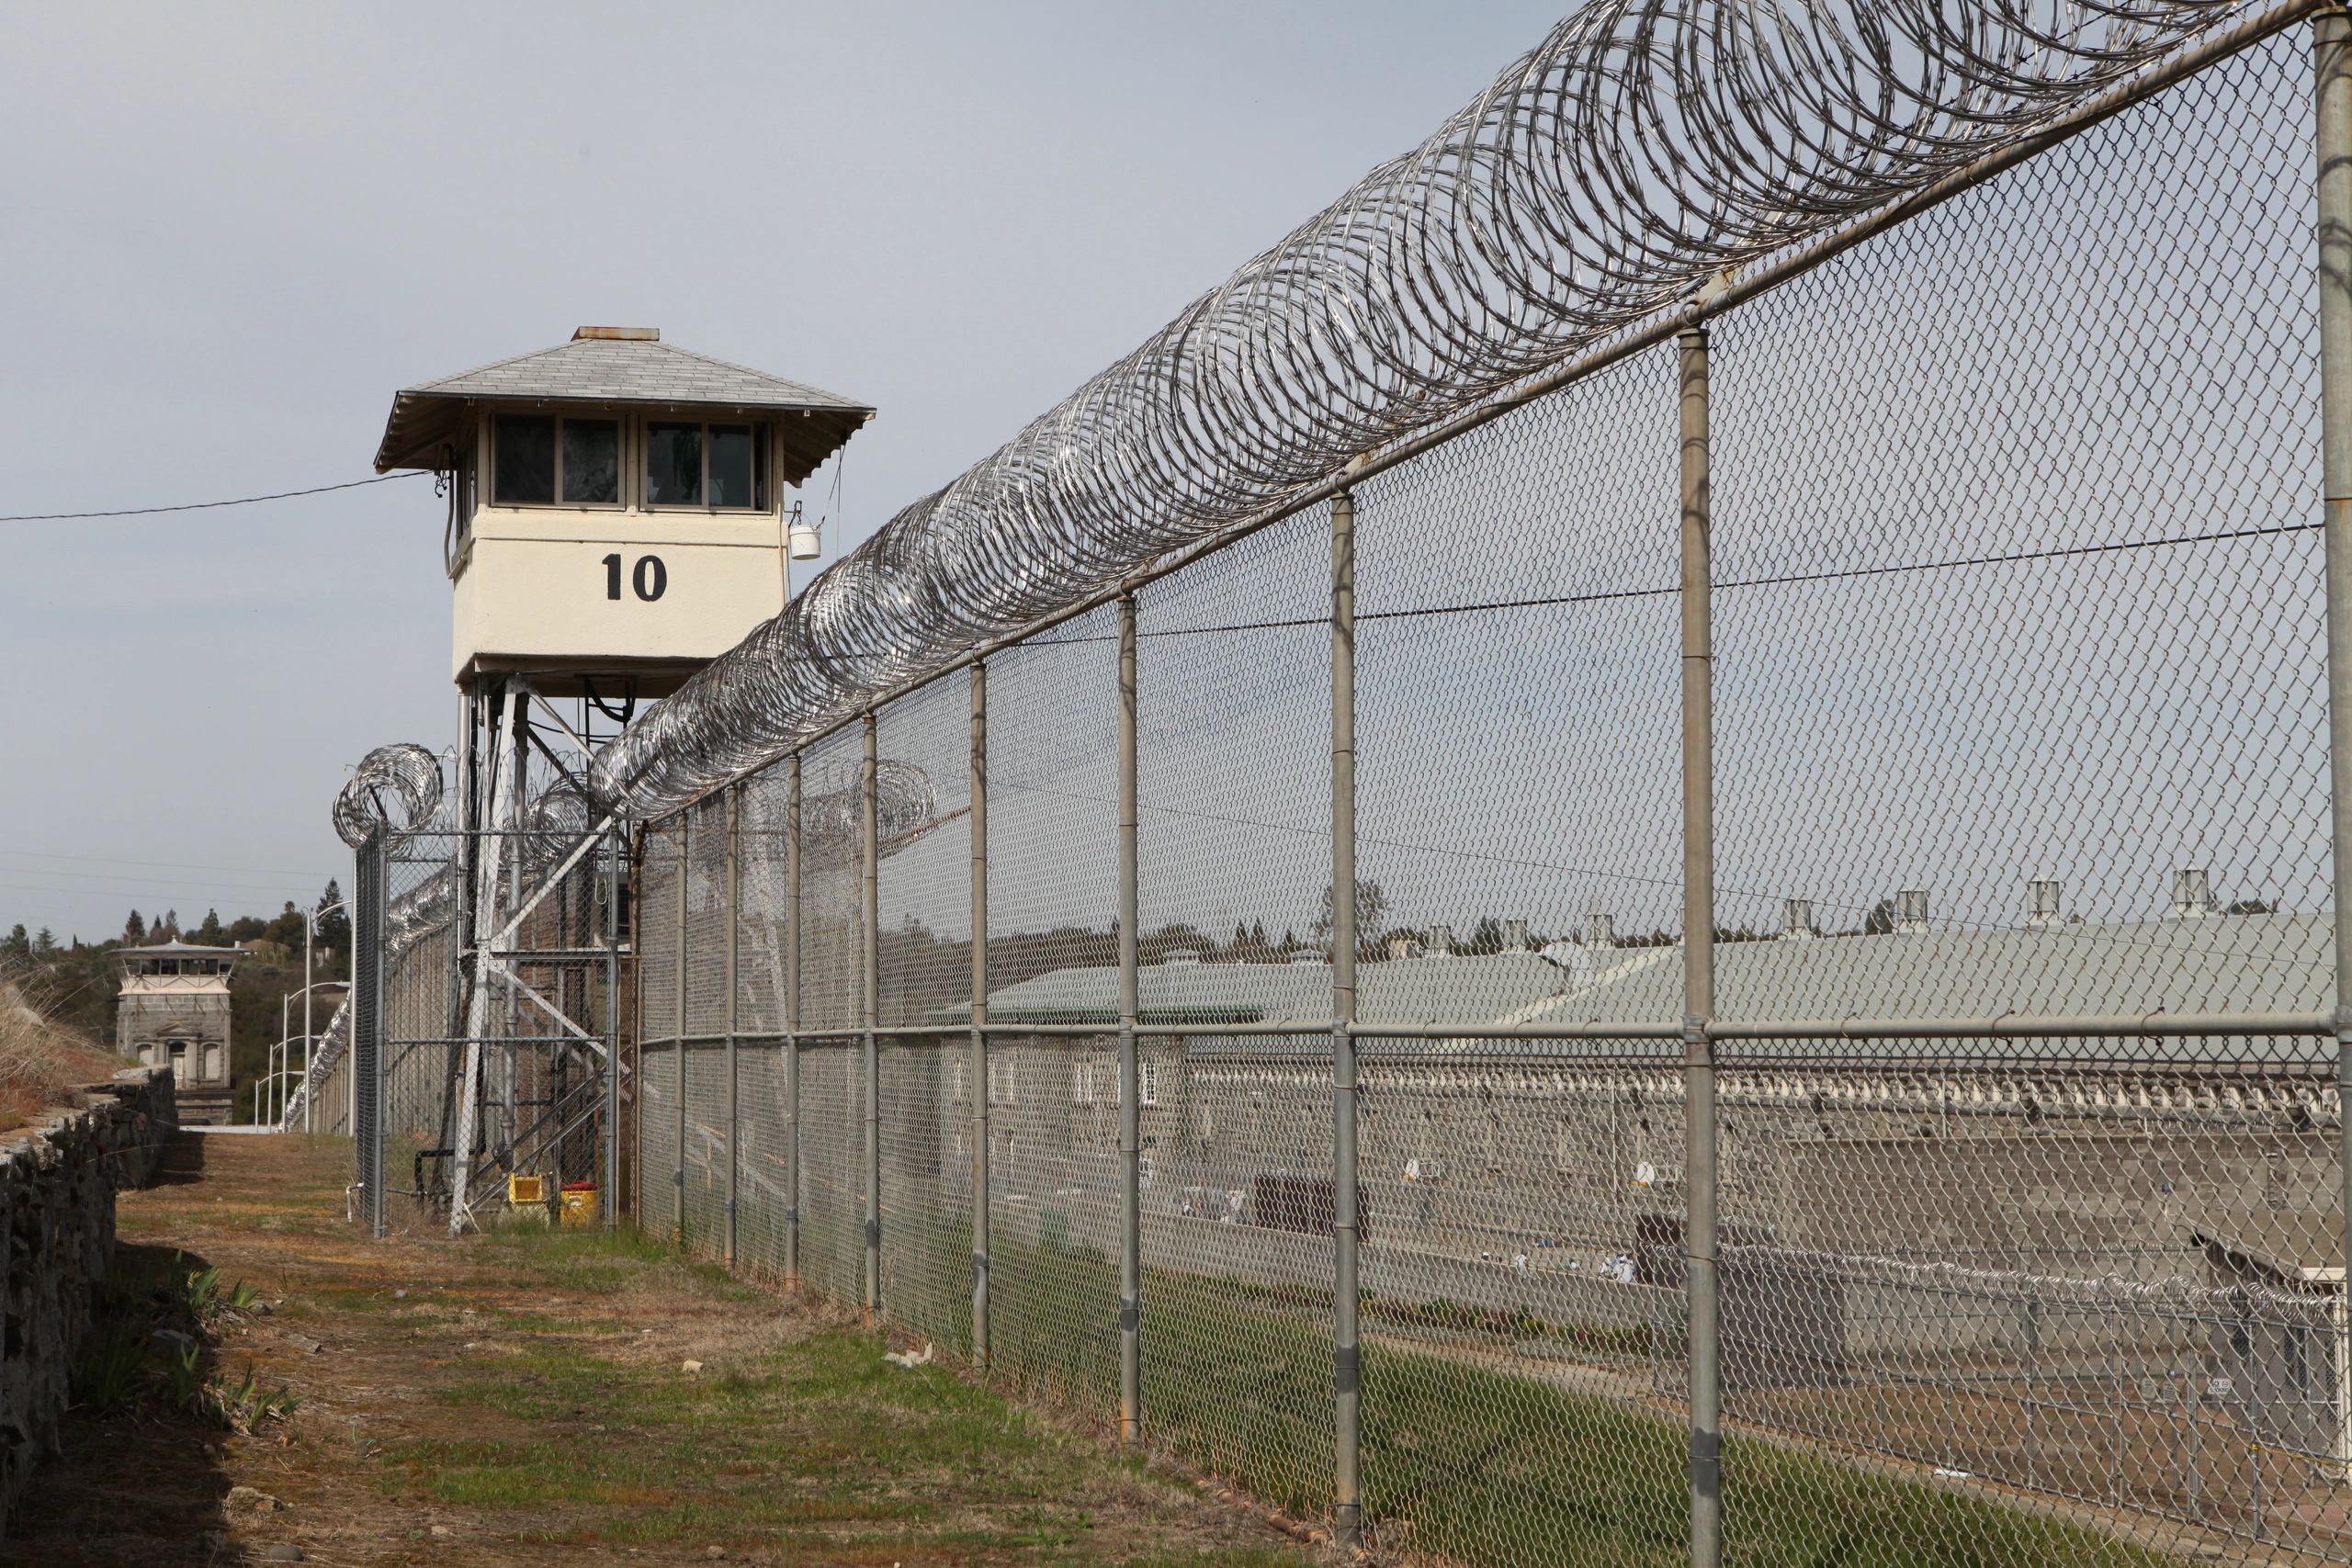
(166, 864)
(208, 505)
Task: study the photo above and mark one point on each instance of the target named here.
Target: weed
(111, 1367)
(183, 1378)
(244, 1405)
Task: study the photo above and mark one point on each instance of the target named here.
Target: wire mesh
(926, 1196)
(1053, 1207)
(660, 867)
(2022, 641)
(833, 1170)
(2019, 657)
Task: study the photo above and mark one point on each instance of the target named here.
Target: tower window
(673, 465)
(523, 468)
(718, 465)
(730, 465)
(592, 462)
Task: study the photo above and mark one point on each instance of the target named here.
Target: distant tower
(175, 1013)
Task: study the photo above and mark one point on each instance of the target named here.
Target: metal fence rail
(1739, 960)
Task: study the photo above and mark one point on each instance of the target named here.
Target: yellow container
(523, 1190)
(578, 1205)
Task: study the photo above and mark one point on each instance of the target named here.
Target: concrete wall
(57, 1189)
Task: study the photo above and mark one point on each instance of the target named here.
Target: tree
(286, 930)
(18, 945)
(208, 933)
(1371, 904)
(334, 927)
(1880, 920)
(169, 930)
(44, 943)
(135, 930)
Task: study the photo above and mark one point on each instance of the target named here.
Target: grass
(1472, 1461)
(795, 1437)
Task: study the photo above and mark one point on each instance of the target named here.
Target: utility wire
(206, 505)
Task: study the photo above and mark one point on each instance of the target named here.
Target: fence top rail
(1928, 106)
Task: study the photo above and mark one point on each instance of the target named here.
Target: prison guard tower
(174, 1011)
(617, 516)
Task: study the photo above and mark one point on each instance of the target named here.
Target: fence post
(734, 958)
(613, 848)
(869, 1007)
(1346, 1509)
(2331, 57)
(979, 825)
(792, 1028)
(371, 893)
(678, 1045)
(1699, 965)
(1130, 1111)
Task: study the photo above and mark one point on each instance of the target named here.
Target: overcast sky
(233, 232)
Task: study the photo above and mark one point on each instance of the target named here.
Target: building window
(179, 1063)
(723, 466)
(1081, 1090)
(673, 465)
(592, 462)
(1000, 1080)
(525, 466)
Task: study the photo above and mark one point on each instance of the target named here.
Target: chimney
(2192, 893)
(1911, 910)
(1599, 930)
(1440, 944)
(1796, 919)
(616, 334)
(2043, 905)
(1514, 936)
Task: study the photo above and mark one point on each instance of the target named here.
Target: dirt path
(528, 1398)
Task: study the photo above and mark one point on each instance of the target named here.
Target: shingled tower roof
(619, 365)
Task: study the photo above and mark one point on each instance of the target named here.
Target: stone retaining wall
(57, 1189)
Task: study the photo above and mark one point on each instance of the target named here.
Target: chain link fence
(1972, 1168)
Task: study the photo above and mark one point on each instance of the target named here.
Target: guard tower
(619, 516)
(174, 1012)
(616, 511)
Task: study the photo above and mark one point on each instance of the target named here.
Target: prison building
(2282, 1346)
(172, 1011)
(2035, 1221)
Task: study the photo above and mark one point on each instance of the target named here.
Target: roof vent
(1310, 955)
(1440, 941)
(618, 334)
(1599, 930)
(1514, 936)
(1179, 958)
(1796, 919)
(1911, 910)
(2192, 893)
(2042, 904)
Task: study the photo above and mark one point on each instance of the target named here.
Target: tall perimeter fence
(1730, 955)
